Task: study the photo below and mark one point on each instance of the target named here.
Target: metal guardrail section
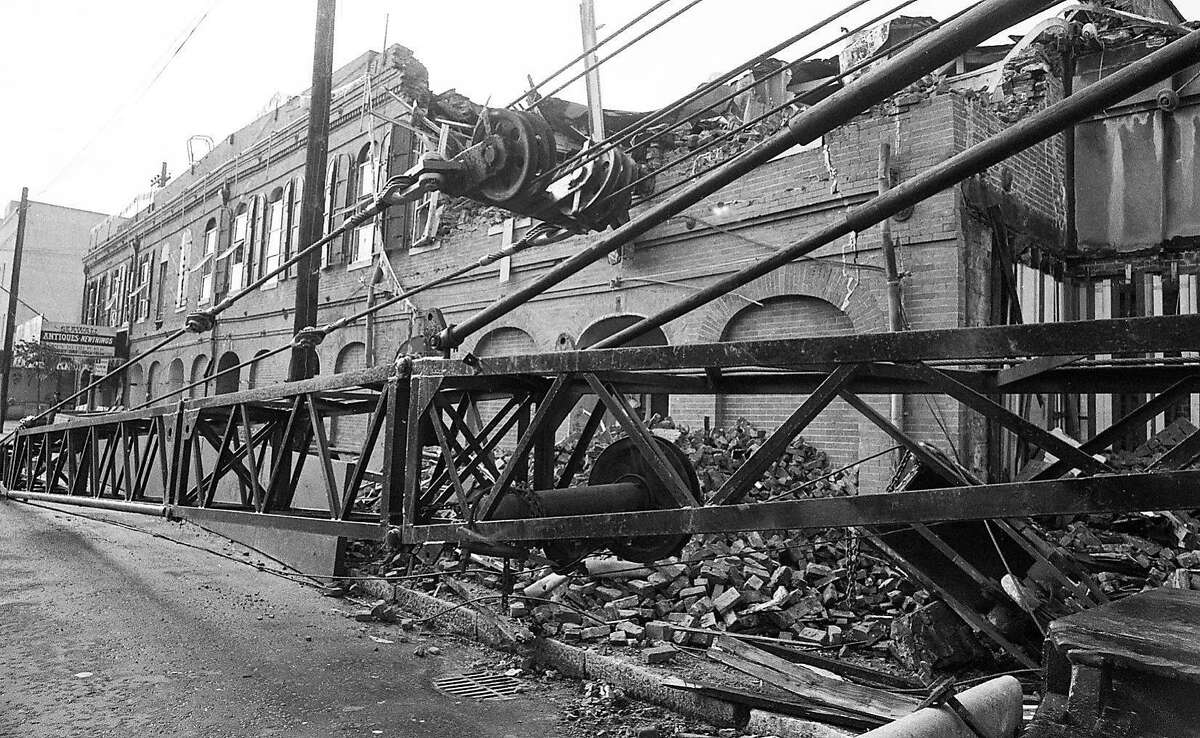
(440, 476)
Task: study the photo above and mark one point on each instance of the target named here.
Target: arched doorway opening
(174, 379)
(135, 390)
(348, 431)
(199, 371)
(152, 380)
(646, 405)
(230, 381)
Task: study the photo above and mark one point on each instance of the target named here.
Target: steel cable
(633, 41)
(342, 322)
(584, 157)
(590, 50)
(773, 111)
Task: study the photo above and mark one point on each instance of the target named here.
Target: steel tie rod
(1038, 127)
(955, 38)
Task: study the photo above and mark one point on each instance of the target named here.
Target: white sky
(73, 72)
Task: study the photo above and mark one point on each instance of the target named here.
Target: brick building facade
(213, 229)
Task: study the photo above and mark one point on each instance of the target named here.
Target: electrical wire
(213, 377)
(880, 54)
(831, 474)
(785, 105)
(174, 54)
(294, 575)
(763, 244)
(591, 50)
(22, 301)
(639, 37)
(344, 321)
(616, 139)
(489, 598)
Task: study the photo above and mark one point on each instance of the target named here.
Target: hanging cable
(22, 301)
(121, 109)
(627, 134)
(213, 377)
(633, 41)
(202, 321)
(319, 334)
(763, 244)
(585, 52)
(773, 111)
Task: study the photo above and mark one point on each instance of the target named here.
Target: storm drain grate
(479, 686)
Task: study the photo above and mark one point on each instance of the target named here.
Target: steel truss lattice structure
(429, 466)
(237, 457)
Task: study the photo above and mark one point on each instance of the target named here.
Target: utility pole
(587, 22)
(312, 212)
(10, 320)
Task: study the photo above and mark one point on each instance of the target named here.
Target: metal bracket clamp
(201, 321)
(309, 337)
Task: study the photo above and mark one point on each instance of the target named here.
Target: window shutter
(250, 261)
(286, 247)
(399, 158)
(343, 198)
(258, 238)
(145, 297)
(221, 266)
(382, 155)
(331, 174)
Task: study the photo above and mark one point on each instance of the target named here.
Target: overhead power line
(590, 50)
(631, 42)
(162, 68)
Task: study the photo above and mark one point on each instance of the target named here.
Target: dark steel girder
(1173, 333)
(1128, 492)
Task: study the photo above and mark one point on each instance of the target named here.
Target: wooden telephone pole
(10, 319)
(312, 212)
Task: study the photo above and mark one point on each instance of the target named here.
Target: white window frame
(365, 237)
(273, 250)
(207, 265)
(140, 294)
(238, 247)
(327, 225)
(182, 274)
(295, 206)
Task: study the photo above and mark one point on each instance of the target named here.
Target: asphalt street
(106, 631)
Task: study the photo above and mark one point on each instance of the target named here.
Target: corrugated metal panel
(1137, 184)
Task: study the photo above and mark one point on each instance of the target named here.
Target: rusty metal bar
(955, 38)
(1038, 127)
(1099, 494)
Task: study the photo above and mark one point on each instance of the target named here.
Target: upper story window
(182, 272)
(362, 241)
(273, 250)
(102, 300)
(239, 248)
(206, 264)
(117, 289)
(331, 174)
(293, 242)
(141, 290)
(364, 173)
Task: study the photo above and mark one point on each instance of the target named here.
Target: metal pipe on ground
(955, 38)
(1038, 127)
(142, 508)
(995, 704)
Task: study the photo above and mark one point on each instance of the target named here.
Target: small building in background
(51, 287)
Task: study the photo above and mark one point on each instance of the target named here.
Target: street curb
(581, 663)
